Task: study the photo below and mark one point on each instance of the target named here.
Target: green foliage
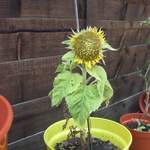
(83, 93)
(65, 83)
(82, 102)
(67, 63)
(146, 75)
(98, 73)
(108, 46)
(81, 98)
(108, 91)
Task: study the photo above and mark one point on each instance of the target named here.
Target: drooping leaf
(64, 84)
(105, 45)
(100, 88)
(108, 92)
(105, 90)
(98, 73)
(82, 102)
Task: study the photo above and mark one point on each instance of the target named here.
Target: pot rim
(128, 141)
(132, 116)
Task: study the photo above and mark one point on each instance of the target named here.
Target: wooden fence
(31, 32)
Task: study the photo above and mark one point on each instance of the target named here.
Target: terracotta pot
(141, 140)
(3, 143)
(142, 103)
(6, 117)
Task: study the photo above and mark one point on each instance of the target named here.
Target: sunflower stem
(89, 134)
(93, 82)
(89, 79)
(84, 73)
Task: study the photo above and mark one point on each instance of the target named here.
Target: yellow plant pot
(101, 128)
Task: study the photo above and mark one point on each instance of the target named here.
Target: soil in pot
(74, 144)
(138, 126)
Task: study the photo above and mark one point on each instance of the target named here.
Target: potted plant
(139, 123)
(83, 86)
(6, 118)
(144, 101)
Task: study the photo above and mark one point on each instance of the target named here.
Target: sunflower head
(87, 46)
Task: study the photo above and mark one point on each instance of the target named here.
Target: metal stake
(77, 15)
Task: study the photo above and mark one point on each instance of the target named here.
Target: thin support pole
(89, 134)
(77, 15)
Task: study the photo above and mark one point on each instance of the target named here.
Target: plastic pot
(142, 103)
(6, 117)
(141, 140)
(101, 128)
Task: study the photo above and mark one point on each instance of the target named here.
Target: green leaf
(65, 83)
(61, 68)
(108, 46)
(108, 92)
(98, 72)
(67, 66)
(82, 102)
(100, 88)
(69, 56)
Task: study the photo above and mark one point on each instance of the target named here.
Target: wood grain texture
(36, 116)
(118, 10)
(8, 47)
(126, 60)
(34, 44)
(126, 86)
(112, 112)
(51, 8)
(4, 8)
(34, 142)
(40, 24)
(9, 8)
(27, 79)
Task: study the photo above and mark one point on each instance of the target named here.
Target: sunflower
(87, 46)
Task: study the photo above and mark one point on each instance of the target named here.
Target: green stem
(84, 73)
(89, 134)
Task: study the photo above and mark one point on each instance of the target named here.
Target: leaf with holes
(65, 83)
(82, 102)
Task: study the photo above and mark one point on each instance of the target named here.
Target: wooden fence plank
(27, 79)
(114, 111)
(32, 124)
(126, 86)
(126, 60)
(118, 10)
(51, 8)
(37, 24)
(8, 47)
(4, 8)
(34, 44)
(34, 142)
